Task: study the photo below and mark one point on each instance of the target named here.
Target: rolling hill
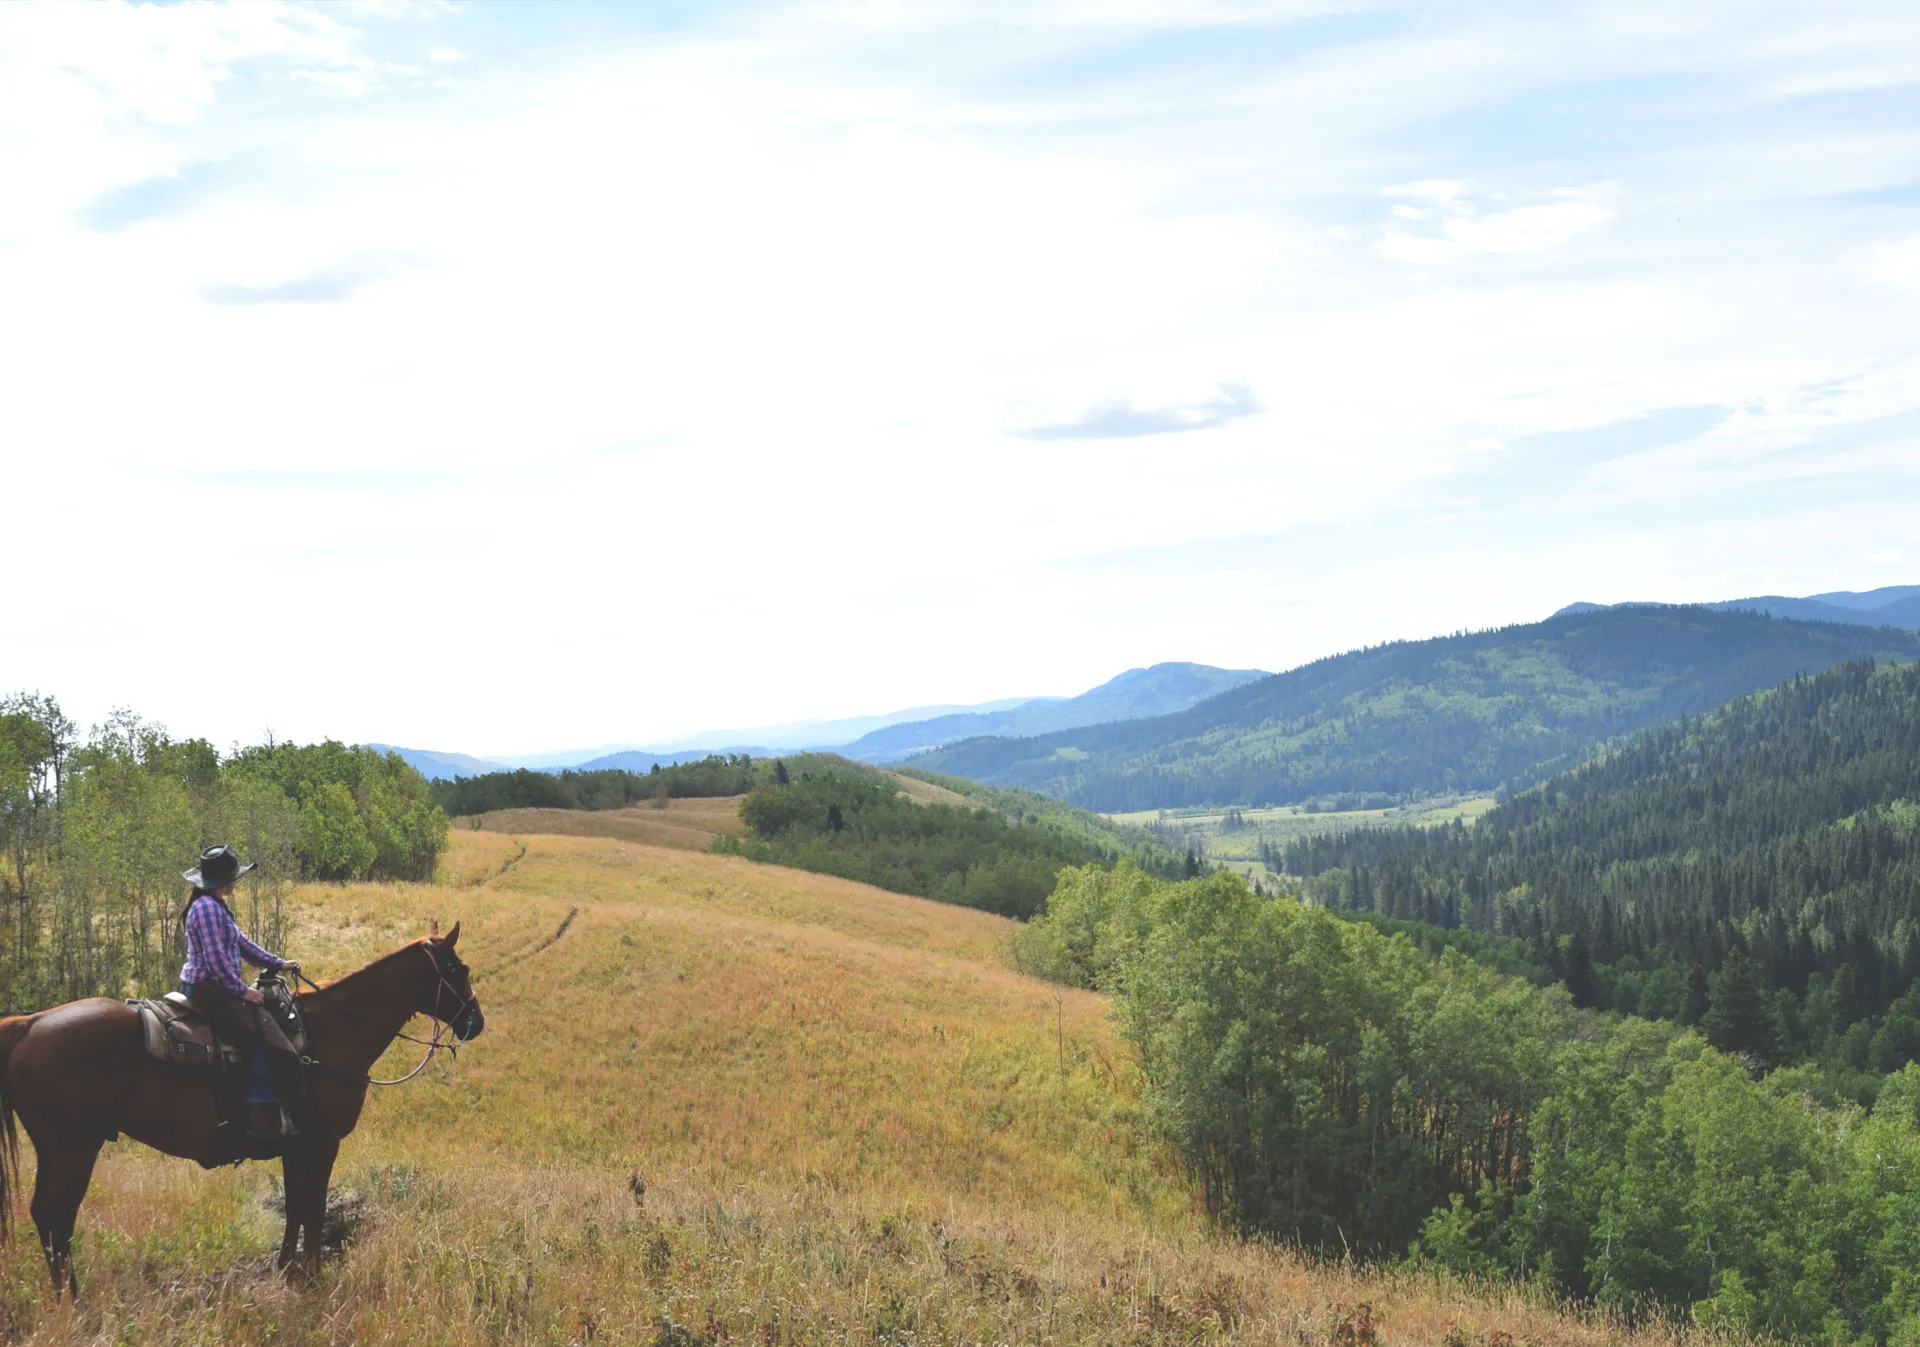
(726, 1103)
(1456, 714)
(1133, 695)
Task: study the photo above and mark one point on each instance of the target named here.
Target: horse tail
(12, 1029)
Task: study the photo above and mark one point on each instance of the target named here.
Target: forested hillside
(1775, 841)
(859, 828)
(1111, 838)
(1456, 714)
(1002, 854)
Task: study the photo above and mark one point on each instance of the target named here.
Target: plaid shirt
(215, 947)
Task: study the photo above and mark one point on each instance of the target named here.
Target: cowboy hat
(219, 866)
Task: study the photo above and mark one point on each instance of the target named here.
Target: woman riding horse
(78, 1076)
(211, 978)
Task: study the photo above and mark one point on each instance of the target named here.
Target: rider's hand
(291, 966)
(252, 997)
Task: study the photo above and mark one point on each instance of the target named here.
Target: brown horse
(78, 1076)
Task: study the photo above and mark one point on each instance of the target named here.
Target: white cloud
(1895, 264)
(1464, 232)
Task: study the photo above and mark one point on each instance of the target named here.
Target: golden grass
(690, 825)
(926, 792)
(732, 1103)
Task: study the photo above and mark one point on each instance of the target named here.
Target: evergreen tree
(1581, 983)
(1738, 1019)
(1192, 868)
(780, 777)
(1694, 1004)
(1846, 997)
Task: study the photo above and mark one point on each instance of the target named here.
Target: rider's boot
(290, 1083)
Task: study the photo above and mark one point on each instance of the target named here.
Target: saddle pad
(174, 1036)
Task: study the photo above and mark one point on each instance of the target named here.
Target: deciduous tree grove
(98, 831)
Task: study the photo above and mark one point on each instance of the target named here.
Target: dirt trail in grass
(566, 924)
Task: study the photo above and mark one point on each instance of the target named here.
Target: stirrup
(265, 1121)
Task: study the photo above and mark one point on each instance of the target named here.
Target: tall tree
(1738, 1018)
(1581, 984)
(1694, 1002)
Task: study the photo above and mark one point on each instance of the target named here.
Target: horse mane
(322, 989)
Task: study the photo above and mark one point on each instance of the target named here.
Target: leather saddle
(177, 1035)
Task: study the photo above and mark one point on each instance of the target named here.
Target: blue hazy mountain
(1892, 606)
(436, 766)
(1133, 695)
(801, 734)
(1137, 692)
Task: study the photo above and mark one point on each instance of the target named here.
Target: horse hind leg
(66, 1168)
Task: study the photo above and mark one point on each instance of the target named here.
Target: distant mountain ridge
(1155, 691)
(1460, 713)
(436, 766)
(804, 734)
(1891, 606)
(880, 738)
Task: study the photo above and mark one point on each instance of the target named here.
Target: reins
(433, 1045)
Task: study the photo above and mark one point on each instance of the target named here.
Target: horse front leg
(307, 1180)
(65, 1170)
(293, 1169)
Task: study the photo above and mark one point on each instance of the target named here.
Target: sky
(499, 378)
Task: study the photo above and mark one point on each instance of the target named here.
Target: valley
(1246, 840)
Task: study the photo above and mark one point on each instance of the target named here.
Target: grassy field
(729, 1104)
(1233, 839)
(689, 825)
(928, 792)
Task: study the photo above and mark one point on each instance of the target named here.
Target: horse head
(449, 997)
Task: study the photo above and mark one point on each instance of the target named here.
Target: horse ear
(433, 928)
(453, 936)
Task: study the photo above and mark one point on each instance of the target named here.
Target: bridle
(441, 957)
(434, 951)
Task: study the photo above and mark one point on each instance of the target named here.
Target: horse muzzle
(468, 1024)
